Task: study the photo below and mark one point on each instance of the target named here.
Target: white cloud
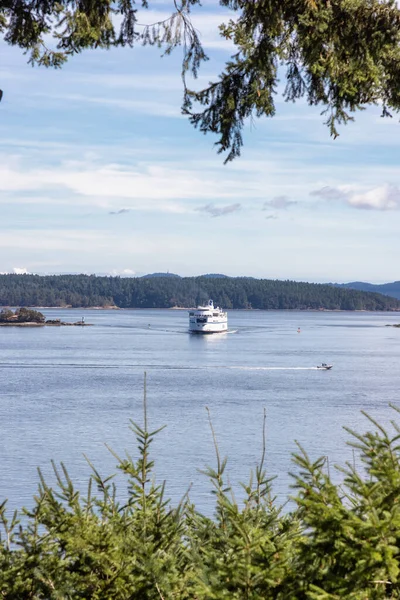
(384, 197)
(142, 186)
(20, 271)
(122, 273)
(16, 271)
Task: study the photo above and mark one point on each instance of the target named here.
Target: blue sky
(100, 173)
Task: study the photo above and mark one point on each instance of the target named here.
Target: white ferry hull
(208, 328)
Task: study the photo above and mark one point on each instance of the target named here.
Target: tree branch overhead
(341, 55)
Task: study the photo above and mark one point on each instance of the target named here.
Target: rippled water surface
(65, 392)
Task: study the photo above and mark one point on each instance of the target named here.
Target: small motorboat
(324, 367)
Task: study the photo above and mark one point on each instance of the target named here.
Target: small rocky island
(27, 317)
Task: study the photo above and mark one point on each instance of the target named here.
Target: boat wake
(150, 367)
(272, 368)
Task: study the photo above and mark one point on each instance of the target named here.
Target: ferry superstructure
(208, 319)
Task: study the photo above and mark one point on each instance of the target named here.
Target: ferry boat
(208, 319)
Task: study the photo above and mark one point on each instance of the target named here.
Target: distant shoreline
(177, 308)
(187, 308)
(67, 307)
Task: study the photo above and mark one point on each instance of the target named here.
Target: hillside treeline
(166, 292)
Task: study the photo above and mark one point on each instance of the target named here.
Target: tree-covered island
(28, 317)
(85, 291)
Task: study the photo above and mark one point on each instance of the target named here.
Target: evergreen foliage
(339, 541)
(166, 292)
(339, 54)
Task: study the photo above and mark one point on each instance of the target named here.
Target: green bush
(28, 315)
(338, 542)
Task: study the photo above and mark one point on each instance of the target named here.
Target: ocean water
(67, 392)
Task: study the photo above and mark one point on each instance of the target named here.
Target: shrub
(28, 315)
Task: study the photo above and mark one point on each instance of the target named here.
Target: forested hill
(387, 289)
(166, 292)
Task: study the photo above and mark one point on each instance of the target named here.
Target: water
(65, 392)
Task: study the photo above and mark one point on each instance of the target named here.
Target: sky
(101, 173)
